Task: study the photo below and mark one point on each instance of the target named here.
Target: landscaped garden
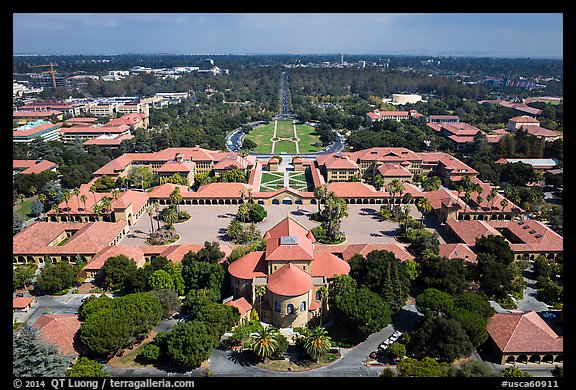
(306, 138)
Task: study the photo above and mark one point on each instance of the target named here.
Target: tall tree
(423, 205)
(265, 342)
(32, 357)
(317, 343)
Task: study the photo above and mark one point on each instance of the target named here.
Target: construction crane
(51, 71)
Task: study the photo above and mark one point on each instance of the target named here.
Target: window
(303, 306)
(277, 307)
(290, 308)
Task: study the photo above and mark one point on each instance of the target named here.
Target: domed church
(292, 272)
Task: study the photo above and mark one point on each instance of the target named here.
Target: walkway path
(296, 137)
(274, 137)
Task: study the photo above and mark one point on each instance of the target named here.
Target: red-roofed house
(109, 140)
(244, 308)
(60, 330)
(292, 271)
(524, 338)
(458, 251)
(32, 166)
(24, 116)
(22, 303)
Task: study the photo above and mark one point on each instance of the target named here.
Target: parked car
(19, 294)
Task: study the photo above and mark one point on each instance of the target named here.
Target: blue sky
(536, 35)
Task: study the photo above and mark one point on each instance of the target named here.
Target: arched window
(303, 306)
(277, 306)
(290, 308)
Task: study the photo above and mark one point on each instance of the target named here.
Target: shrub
(149, 353)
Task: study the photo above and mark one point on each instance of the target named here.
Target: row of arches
(485, 217)
(535, 358)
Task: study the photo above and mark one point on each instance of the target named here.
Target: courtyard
(209, 223)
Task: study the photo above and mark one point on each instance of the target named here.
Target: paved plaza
(209, 223)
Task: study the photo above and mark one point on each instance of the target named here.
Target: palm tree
(504, 203)
(317, 343)
(265, 342)
(406, 213)
(33, 191)
(150, 211)
(489, 197)
(250, 195)
(93, 191)
(97, 210)
(83, 199)
(243, 212)
(424, 207)
(242, 193)
(56, 210)
(260, 291)
(408, 198)
(493, 192)
(176, 198)
(323, 293)
(66, 198)
(116, 193)
(42, 198)
(156, 207)
(319, 194)
(393, 189)
(106, 203)
(467, 197)
(479, 200)
(76, 192)
(171, 217)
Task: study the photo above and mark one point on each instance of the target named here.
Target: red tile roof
(186, 166)
(88, 238)
(354, 190)
(534, 236)
(394, 170)
(540, 131)
(34, 130)
(339, 161)
(35, 114)
(445, 197)
(328, 265)
(385, 154)
(524, 119)
(22, 302)
(458, 251)
(95, 129)
(33, 166)
(248, 266)
(220, 190)
(164, 190)
(523, 333)
(289, 281)
(59, 330)
(241, 304)
(132, 252)
(288, 227)
(469, 230)
(107, 140)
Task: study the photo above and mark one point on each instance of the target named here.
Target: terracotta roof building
(524, 338)
(244, 308)
(46, 241)
(291, 270)
(22, 303)
(32, 166)
(60, 330)
(39, 129)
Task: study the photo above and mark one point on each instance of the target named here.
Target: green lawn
(23, 209)
(300, 181)
(262, 135)
(287, 147)
(308, 139)
(285, 129)
(271, 181)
